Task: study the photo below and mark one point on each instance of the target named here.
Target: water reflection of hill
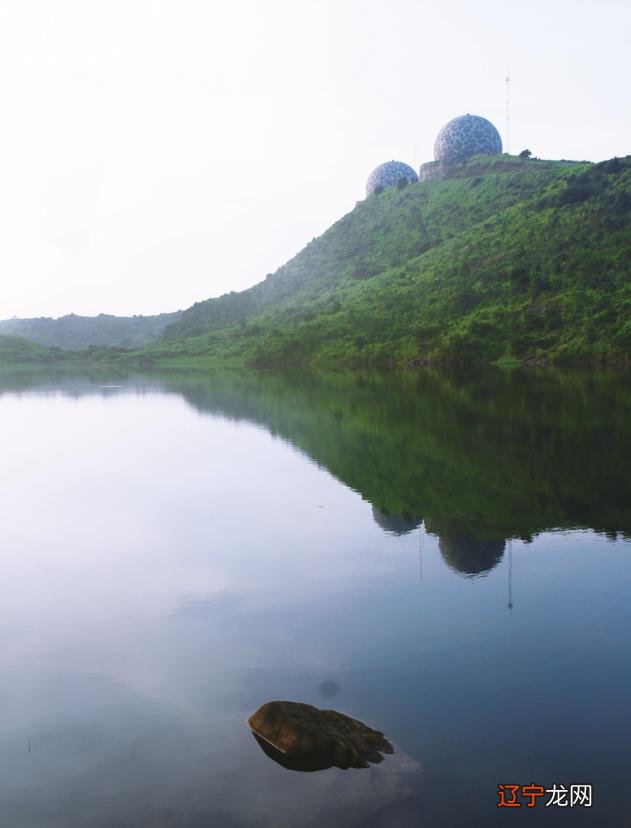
(483, 457)
(492, 456)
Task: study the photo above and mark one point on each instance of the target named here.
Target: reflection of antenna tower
(510, 575)
(507, 79)
(420, 553)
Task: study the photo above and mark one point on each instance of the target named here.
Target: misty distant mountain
(75, 332)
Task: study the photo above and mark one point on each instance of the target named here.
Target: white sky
(154, 153)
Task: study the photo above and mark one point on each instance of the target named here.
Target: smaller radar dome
(388, 175)
(466, 136)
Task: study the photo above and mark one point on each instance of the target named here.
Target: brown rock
(305, 735)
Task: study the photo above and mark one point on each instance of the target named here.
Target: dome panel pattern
(389, 175)
(466, 136)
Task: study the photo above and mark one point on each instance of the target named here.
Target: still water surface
(447, 558)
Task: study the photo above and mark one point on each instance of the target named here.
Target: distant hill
(509, 258)
(16, 350)
(76, 332)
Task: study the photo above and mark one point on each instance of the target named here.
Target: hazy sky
(158, 152)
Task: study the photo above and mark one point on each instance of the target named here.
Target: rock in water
(303, 734)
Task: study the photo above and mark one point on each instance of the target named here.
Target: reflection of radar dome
(466, 136)
(395, 525)
(389, 175)
(465, 554)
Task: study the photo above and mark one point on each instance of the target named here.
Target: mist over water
(445, 557)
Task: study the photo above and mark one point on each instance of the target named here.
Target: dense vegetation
(13, 349)
(508, 259)
(522, 259)
(76, 332)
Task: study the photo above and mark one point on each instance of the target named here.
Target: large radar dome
(389, 174)
(465, 136)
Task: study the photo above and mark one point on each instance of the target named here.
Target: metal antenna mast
(507, 80)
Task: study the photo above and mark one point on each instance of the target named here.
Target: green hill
(76, 332)
(511, 258)
(16, 350)
(504, 259)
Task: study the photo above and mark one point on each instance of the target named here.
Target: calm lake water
(447, 558)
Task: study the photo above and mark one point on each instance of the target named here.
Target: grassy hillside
(520, 259)
(75, 332)
(506, 260)
(15, 350)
